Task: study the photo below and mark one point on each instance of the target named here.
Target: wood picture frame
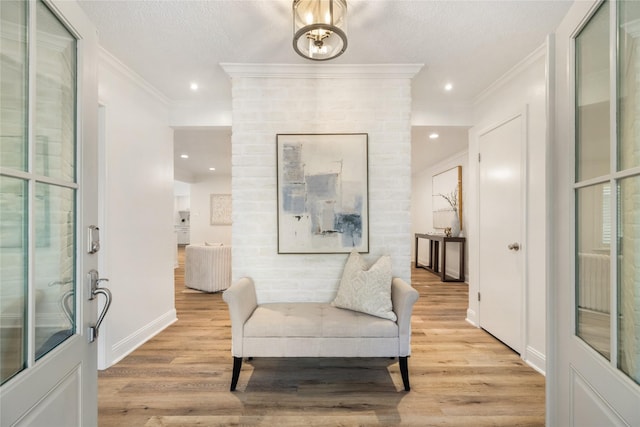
(446, 187)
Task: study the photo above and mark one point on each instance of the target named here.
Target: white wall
(210, 112)
(265, 105)
(422, 211)
(522, 87)
(137, 211)
(181, 188)
(201, 228)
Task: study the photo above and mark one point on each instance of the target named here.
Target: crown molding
(517, 70)
(110, 59)
(323, 71)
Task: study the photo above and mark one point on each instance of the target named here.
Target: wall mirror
(447, 197)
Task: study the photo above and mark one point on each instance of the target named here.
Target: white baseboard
(535, 359)
(126, 346)
(472, 318)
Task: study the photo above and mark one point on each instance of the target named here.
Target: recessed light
(194, 86)
(448, 87)
(433, 135)
(184, 156)
(212, 169)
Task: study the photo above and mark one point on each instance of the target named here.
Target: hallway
(460, 375)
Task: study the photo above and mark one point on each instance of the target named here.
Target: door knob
(514, 246)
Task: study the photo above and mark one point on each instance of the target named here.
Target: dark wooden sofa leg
(404, 370)
(237, 364)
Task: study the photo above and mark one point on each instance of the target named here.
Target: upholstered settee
(207, 267)
(310, 329)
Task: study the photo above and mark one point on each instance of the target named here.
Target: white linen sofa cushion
(315, 320)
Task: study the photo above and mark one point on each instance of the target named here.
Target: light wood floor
(460, 375)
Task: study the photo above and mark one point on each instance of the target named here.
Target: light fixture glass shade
(319, 28)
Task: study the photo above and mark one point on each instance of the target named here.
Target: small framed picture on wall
(220, 209)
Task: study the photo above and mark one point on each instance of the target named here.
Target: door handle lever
(93, 293)
(93, 330)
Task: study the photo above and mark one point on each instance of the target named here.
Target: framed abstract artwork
(322, 193)
(220, 209)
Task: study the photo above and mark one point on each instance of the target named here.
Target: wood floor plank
(460, 375)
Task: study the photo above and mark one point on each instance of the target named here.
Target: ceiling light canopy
(319, 28)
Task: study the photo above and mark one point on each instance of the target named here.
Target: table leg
(462, 261)
(444, 261)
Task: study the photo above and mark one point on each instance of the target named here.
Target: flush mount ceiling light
(319, 28)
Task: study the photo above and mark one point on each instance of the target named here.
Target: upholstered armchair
(207, 267)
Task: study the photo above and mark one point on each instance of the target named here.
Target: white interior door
(48, 191)
(500, 232)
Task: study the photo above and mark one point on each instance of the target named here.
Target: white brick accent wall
(263, 106)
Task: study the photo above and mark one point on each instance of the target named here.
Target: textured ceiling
(469, 43)
(171, 43)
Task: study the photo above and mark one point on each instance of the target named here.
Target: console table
(434, 252)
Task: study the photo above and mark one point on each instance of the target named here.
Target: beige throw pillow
(366, 290)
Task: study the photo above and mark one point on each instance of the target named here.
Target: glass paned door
(48, 202)
(37, 186)
(594, 244)
(607, 185)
